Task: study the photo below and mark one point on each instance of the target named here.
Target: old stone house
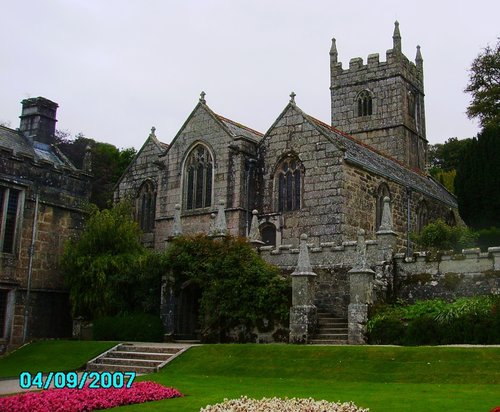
(303, 175)
(41, 199)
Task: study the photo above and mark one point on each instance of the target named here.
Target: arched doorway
(187, 312)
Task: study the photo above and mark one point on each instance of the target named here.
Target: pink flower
(76, 400)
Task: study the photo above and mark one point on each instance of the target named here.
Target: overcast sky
(118, 67)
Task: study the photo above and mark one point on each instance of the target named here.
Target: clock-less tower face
(382, 103)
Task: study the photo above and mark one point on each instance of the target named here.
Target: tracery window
(146, 205)
(10, 200)
(198, 172)
(365, 105)
(289, 179)
(382, 192)
(422, 216)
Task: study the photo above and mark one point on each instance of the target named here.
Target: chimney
(38, 119)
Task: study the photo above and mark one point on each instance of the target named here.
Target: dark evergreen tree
(477, 183)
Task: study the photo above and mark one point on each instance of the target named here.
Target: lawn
(383, 379)
(51, 355)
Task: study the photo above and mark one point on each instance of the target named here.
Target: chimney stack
(38, 119)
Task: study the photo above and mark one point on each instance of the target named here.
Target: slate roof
(372, 160)
(238, 129)
(15, 141)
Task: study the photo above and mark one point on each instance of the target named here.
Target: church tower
(382, 103)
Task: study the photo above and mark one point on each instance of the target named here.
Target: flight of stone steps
(331, 330)
(136, 357)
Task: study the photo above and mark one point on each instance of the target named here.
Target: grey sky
(118, 67)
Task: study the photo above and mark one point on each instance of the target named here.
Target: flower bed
(245, 404)
(76, 400)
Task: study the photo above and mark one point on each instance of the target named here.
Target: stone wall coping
(494, 249)
(473, 251)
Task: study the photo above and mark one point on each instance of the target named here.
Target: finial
(153, 130)
(418, 58)
(333, 51)
(303, 263)
(386, 223)
(292, 97)
(87, 159)
(202, 97)
(220, 225)
(396, 37)
(254, 233)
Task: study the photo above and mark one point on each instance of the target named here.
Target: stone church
(302, 175)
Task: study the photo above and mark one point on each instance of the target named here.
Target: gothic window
(9, 218)
(146, 205)
(198, 172)
(289, 182)
(364, 104)
(383, 191)
(422, 216)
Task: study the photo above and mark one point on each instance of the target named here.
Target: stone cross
(177, 228)
(292, 97)
(153, 130)
(202, 97)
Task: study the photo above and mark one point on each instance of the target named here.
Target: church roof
(238, 129)
(14, 141)
(368, 158)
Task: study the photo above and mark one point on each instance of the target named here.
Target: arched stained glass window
(146, 205)
(289, 179)
(198, 178)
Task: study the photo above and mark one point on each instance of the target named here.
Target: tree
(238, 288)
(477, 183)
(446, 156)
(484, 86)
(108, 271)
(108, 163)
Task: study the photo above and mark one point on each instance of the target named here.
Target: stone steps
(332, 330)
(139, 358)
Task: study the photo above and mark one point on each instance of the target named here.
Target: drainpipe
(31, 252)
(408, 222)
(250, 164)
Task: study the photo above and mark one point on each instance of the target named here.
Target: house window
(198, 174)
(289, 178)
(9, 218)
(382, 192)
(422, 216)
(146, 205)
(364, 104)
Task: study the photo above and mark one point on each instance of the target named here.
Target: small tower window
(146, 205)
(365, 104)
(289, 179)
(198, 178)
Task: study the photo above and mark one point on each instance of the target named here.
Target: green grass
(380, 378)
(383, 379)
(47, 356)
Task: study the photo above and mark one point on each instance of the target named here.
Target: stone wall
(447, 276)
(322, 198)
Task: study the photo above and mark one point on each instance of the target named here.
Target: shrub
(440, 236)
(434, 322)
(107, 270)
(488, 238)
(136, 327)
(238, 288)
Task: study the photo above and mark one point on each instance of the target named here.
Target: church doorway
(187, 312)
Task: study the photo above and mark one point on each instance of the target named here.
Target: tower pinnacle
(396, 37)
(333, 52)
